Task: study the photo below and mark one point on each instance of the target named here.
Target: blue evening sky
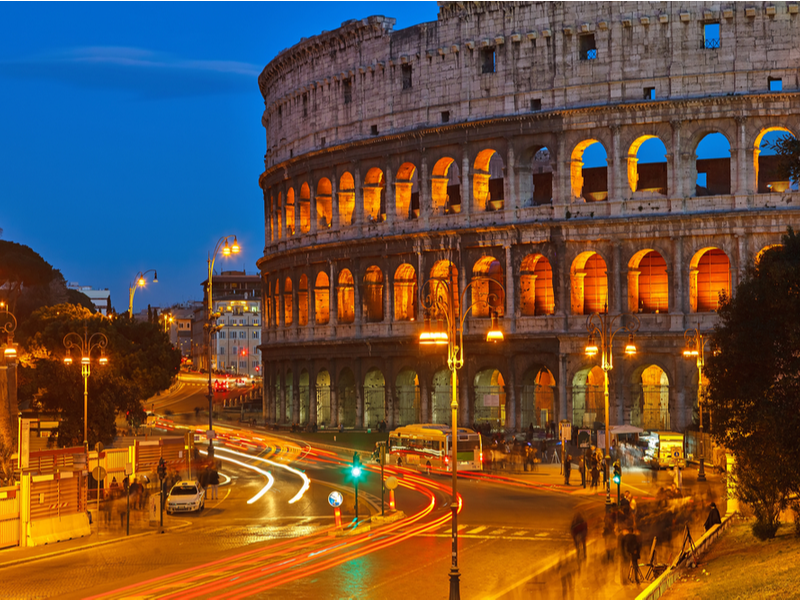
(131, 137)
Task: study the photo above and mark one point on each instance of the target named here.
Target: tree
(28, 279)
(788, 149)
(754, 378)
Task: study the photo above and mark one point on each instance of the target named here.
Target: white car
(186, 496)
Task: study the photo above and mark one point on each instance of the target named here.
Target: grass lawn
(739, 566)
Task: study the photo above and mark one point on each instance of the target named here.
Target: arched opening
(347, 199)
(276, 299)
(323, 393)
(346, 300)
(374, 398)
(713, 165)
(536, 286)
(373, 295)
(710, 272)
(764, 251)
(324, 201)
(441, 398)
(374, 202)
(405, 293)
(487, 181)
(287, 418)
(648, 283)
(290, 212)
(647, 165)
(542, 173)
(538, 398)
(446, 187)
(650, 395)
(589, 171)
(487, 294)
(408, 399)
(305, 208)
(305, 397)
(406, 192)
(346, 393)
(588, 401)
(278, 215)
(490, 399)
(287, 301)
(768, 163)
(322, 301)
(302, 301)
(444, 284)
(589, 284)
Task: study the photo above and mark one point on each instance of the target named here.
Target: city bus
(427, 447)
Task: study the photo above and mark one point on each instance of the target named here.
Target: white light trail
(268, 475)
(303, 476)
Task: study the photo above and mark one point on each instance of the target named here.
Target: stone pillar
(509, 181)
(359, 391)
(295, 307)
(282, 414)
(312, 300)
(633, 290)
(676, 173)
(312, 209)
(466, 188)
(617, 190)
(295, 392)
(616, 297)
(298, 228)
(283, 214)
(512, 423)
(746, 181)
(358, 309)
(424, 398)
(280, 316)
(425, 207)
(358, 210)
(563, 385)
(388, 295)
(562, 191)
(389, 196)
(391, 403)
(576, 292)
(334, 204)
(421, 278)
(334, 402)
(678, 299)
(510, 283)
(333, 300)
(313, 403)
(466, 413)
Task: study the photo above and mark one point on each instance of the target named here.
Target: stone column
(358, 210)
(334, 203)
(283, 214)
(359, 391)
(295, 307)
(388, 294)
(511, 281)
(295, 392)
(466, 413)
(333, 300)
(358, 309)
(617, 190)
(424, 398)
(421, 278)
(298, 228)
(676, 168)
(312, 209)
(616, 298)
(563, 385)
(744, 182)
(282, 414)
(334, 401)
(389, 195)
(425, 207)
(678, 299)
(562, 191)
(511, 400)
(633, 290)
(466, 188)
(509, 181)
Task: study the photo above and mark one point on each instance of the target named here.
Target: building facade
(101, 298)
(459, 150)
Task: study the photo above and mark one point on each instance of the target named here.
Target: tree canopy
(788, 149)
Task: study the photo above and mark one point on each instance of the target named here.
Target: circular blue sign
(335, 499)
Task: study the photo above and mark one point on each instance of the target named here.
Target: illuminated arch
(542, 177)
(324, 199)
(588, 284)
(767, 164)
(648, 176)
(322, 301)
(405, 293)
(305, 208)
(322, 391)
(763, 251)
(346, 394)
(347, 199)
(373, 295)
(713, 165)
(445, 272)
(407, 397)
(538, 398)
(588, 401)
(650, 399)
(290, 213)
(406, 194)
(490, 399)
(446, 186)
(287, 301)
(536, 286)
(346, 297)
(487, 295)
(710, 275)
(302, 301)
(374, 187)
(648, 283)
(487, 181)
(589, 183)
(374, 398)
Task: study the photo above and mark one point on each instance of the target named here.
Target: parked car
(186, 496)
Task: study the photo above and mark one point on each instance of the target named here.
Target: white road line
(476, 530)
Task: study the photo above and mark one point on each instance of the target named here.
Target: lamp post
(601, 326)
(440, 303)
(10, 351)
(695, 347)
(211, 328)
(139, 281)
(85, 345)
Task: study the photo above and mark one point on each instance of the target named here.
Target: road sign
(99, 473)
(211, 434)
(566, 430)
(584, 438)
(335, 499)
(391, 483)
(128, 468)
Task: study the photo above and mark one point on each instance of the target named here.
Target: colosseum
(568, 158)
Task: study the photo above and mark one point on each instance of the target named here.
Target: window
(374, 130)
(649, 93)
(322, 142)
(243, 364)
(255, 363)
(488, 60)
(242, 335)
(221, 335)
(711, 36)
(445, 116)
(255, 335)
(348, 90)
(536, 104)
(406, 70)
(255, 321)
(280, 116)
(588, 48)
(305, 105)
(221, 350)
(775, 84)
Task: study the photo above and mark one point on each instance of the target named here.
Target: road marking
(476, 530)
(519, 533)
(499, 532)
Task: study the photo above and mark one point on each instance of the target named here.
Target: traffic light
(162, 469)
(617, 473)
(355, 469)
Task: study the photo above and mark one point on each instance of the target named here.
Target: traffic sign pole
(383, 483)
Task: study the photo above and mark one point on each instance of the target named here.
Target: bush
(765, 528)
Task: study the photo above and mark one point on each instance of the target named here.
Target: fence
(9, 516)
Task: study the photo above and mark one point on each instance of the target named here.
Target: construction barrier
(9, 516)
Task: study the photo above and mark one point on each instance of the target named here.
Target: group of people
(310, 428)
(588, 466)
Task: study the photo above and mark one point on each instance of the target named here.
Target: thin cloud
(142, 72)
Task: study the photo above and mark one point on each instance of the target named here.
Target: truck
(664, 449)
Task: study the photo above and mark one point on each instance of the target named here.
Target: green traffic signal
(616, 479)
(355, 471)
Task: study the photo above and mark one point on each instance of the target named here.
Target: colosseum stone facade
(462, 147)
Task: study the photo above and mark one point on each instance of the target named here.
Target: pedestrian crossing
(499, 533)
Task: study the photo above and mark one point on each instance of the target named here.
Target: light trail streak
(267, 474)
(303, 476)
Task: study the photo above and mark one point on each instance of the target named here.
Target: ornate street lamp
(210, 327)
(601, 330)
(695, 348)
(8, 324)
(139, 281)
(440, 304)
(85, 345)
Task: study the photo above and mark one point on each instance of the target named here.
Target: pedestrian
(582, 468)
(713, 517)
(633, 548)
(631, 503)
(579, 530)
(567, 468)
(677, 478)
(213, 482)
(595, 475)
(529, 437)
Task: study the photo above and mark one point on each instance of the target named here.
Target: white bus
(428, 447)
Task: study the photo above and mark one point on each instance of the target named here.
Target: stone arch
(490, 398)
(588, 400)
(405, 293)
(287, 301)
(487, 295)
(538, 401)
(406, 191)
(305, 208)
(645, 173)
(767, 163)
(536, 286)
(441, 397)
(346, 394)
(276, 301)
(588, 284)
(650, 398)
(290, 212)
(347, 198)
(302, 301)
(713, 164)
(408, 398)
(324, 202)
(487, 181)
(589, 182)
(710, 275)
(648, 283)
(445, 272)
(542, 177)
(374, 398)
(322, 300)
(446, 186)
(373, 295)
(764, 250)
(322, 390)
(374, 196)
(345, 299)
(278, 215)
(305, 397)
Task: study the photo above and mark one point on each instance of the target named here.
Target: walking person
(595, 474)
(713, 517)
(677, 478)
(213, 482)
(582, 469)
(567, 468)
(579, 530)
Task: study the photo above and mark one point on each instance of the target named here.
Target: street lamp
(210, 327)
(85, 345)
(139, 281)
(10, 351)
(168, 320)
(601, 330)
(695, 347)
(440, 303)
